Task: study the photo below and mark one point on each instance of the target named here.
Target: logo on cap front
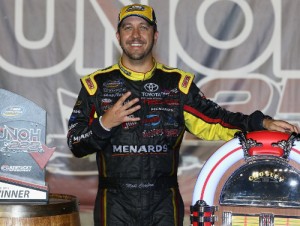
(135, 8)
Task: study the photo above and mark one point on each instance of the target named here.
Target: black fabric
(138, 184)
(138, 161)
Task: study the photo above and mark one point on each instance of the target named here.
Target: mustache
(135, 40)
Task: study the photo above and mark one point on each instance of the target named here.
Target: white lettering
(8, 194)
(122, 149)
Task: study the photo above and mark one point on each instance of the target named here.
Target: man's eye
(144, 27)
(127, 28)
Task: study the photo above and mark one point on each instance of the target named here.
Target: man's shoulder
(89, 81)
(101, 71)
(169, 69)
(186, 78)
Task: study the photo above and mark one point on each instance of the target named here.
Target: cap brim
(141, 16)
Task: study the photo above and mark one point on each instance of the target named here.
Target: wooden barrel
(61, 210)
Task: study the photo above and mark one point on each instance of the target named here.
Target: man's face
(137, 38)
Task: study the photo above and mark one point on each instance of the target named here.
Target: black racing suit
(137, 161)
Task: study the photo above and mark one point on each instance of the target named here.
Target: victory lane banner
(23, 153)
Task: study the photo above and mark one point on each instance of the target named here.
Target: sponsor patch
(139, 149)
(82, 136)
(161, 102)
(162, 109)
(170, 93)
(186, 81)
(78, 103)
(113, 84)
(151, 87)
(129, 125)
(106, 103)
(160, 132)
(151, 120)
(89, 83)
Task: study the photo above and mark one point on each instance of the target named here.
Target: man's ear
(155, 37)
(118, 35)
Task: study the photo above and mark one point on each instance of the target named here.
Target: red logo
(90, 83)
(186, 81)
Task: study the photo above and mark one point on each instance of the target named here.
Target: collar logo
(151, 87)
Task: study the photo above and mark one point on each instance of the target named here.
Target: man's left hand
(279, 125)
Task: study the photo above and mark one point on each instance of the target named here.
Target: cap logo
(135, 8)
(143, 11)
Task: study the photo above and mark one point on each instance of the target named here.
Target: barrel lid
(59, 204)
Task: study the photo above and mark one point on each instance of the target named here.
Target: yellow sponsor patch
(185, 82)
(90, 84)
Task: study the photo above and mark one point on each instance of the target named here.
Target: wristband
(102, 124)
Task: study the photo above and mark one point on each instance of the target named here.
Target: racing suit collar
(136, 76)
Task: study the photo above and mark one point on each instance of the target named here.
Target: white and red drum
(203, 214)
(253, 179)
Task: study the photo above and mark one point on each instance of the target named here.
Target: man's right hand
(120, 112)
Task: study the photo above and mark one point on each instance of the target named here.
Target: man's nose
(136, 33)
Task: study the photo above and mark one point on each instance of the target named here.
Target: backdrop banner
(245, 56)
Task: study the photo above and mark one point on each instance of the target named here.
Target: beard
(132, 55)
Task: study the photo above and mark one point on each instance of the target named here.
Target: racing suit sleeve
(207, 120)
(85, 135)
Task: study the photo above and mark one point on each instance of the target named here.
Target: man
(133, 115)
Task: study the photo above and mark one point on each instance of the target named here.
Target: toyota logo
(151, 87)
